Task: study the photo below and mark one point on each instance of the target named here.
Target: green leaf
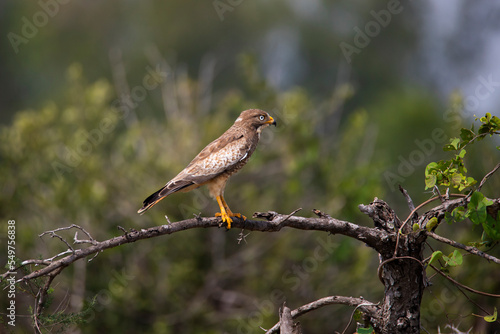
(435, 256)
(495, 120)
(486, 118)
(462, 154)
(448, 218)
(358, 315)
(487, 201)
(477, 208)
(453, 145)
(491, 318)
(368, 330)
(416, 227)
(430, 181)
(456, 179)
(466, 135)
(458, 213)
(482, 130)
(430, 168)
(492, 227)
(454, 259)
(471, 181)
(431, 223)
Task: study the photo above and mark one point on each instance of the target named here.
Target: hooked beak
(271, 121)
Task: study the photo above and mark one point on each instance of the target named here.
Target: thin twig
(67, 251)
(288, 216)
(55, 235)
(462, 285)
(487, 176)
(122, 229)
(475, 304)
(408, 198)
(354, 311)
(83, 241)
(35, 262)
(242, 236)
(436, 189)
(472, 250)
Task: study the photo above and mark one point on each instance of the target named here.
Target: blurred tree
(91, 159)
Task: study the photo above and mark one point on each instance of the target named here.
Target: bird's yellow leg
(229, 212)
(223, 213)
(226, 213)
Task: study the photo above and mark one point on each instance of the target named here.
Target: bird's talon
(225, 219)
(238, 215)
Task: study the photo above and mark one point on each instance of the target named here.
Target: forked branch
(369, 309)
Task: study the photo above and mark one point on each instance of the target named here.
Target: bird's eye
(262, 117)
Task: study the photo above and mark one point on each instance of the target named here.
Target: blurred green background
(102, 103)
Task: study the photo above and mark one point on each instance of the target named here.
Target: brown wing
(218, 157)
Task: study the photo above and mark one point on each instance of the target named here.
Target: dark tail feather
(151, 200)
(162, 193)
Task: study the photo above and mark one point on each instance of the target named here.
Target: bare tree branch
(408, 198)
(370, 309)
(487, 176)
(371, 236)
(286, 321)
(472, 250)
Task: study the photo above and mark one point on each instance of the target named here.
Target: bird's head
(255, 118)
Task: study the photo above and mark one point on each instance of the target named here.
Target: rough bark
(404, 280)
(401, 271)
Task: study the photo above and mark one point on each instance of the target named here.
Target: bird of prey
(217, 162)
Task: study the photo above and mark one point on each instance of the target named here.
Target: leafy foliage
(453, 260)
(452, 172)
